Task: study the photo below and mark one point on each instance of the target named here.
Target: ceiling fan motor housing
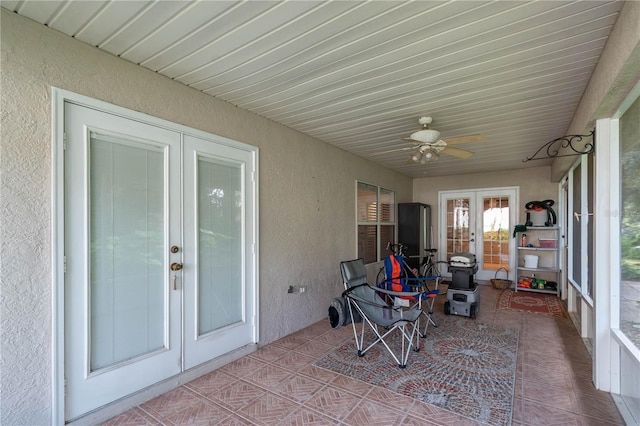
(426, 135)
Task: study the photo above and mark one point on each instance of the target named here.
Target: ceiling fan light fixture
(423, 155)
(430, 155)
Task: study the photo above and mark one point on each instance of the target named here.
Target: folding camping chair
(399, 277)
(381, 318)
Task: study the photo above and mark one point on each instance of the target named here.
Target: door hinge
(64, 264)
(64, 141)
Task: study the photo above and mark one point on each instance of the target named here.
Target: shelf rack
(550, 257)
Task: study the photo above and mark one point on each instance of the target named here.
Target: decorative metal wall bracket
(552, 148)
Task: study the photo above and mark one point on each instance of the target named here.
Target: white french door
(159, 254)
(219, 304)
(479, 222)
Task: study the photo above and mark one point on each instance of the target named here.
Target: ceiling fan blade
(457, 152)
(465, 139)
(411, 140)
(394, 150)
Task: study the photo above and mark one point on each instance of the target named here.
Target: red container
(548, 242)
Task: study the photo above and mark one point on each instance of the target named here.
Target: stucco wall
(534, 183)
(307, 198)
(306, 187)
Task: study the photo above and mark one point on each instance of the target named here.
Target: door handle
(176, 266)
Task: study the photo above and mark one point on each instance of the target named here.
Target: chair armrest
(383, 290)
(397, 293)
(431, 278)
(415, 282)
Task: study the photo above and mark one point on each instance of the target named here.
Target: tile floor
(278, 385)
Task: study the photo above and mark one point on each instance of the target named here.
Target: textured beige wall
(307, 198)
(534, 184)
(307, 205)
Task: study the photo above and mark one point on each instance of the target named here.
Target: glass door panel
(127, 232)
(220, 206)
(495, 233)
(457, 232)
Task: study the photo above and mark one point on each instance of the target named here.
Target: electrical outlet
(302, 289)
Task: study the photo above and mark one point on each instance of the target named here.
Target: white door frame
(59, 97)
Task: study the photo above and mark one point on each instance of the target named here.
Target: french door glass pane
(457, 226)
(127, 234)
(220, 273)
(495, 224)
(630, 223)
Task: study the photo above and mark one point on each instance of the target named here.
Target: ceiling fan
(427, 146)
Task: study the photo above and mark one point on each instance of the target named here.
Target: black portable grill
(463, 297)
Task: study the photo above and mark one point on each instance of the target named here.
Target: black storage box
(462, 276)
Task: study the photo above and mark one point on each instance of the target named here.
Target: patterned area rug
(538, 303)
(463, 366)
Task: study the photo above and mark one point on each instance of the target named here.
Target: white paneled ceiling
(358, 74)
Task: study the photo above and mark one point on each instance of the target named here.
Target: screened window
(581, 207)
(376, 220)
(630, 223)
(576, 236)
